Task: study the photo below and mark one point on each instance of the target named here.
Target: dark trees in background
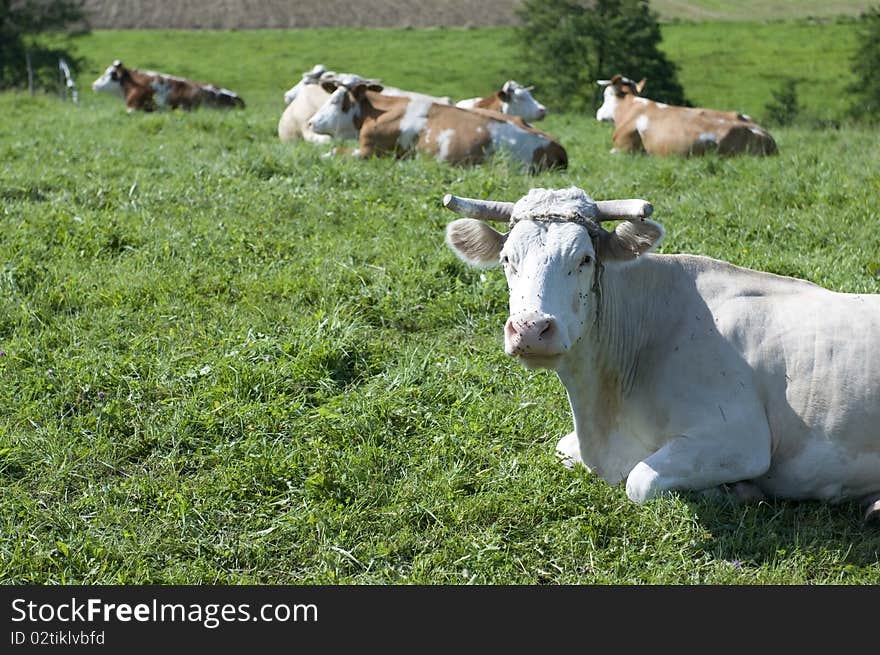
(22, 24)
(568, 45)
(865, 89)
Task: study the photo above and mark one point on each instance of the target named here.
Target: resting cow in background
(149, 91)
(642, 125)
(307, 96)
(684, 372)
(399, 126)
(513, 98)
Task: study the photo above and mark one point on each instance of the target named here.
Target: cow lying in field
(642, 125)
(512, 98)
(684, 372)
(400, 126)
(149, 91)
(308, 95)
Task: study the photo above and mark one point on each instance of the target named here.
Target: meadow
(228, 360)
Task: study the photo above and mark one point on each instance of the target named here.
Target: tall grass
(225, 359)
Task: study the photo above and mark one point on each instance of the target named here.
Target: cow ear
(629, 240)
(475, 242)
(375, 87)
(329, 87)
(641, 85)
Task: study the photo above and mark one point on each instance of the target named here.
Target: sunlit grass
(225, 359)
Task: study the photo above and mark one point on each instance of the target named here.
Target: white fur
(106, 84)
(331, 121)
(642, 124)
(519, 143)
(414, 119)
(609, 106)
(445, 139)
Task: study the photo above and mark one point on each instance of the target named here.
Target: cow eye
(586, 261)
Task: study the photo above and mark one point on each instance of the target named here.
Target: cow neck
(130, 78)
(624, 107)
(371, 107)
(600, 370)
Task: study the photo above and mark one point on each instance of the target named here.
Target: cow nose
(542, 111)
(532, 333)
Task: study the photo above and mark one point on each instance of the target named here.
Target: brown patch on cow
(609, 399)
(551, 156)
(492, 102)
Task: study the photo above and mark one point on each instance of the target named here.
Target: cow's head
(341, 115)
(616, 89)
(553, 256)
(517, 100)
(309, 77)
(111, 80)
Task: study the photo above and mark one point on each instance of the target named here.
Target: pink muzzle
(532, 334)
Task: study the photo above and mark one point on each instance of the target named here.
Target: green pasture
(230, 360)
(757, 10)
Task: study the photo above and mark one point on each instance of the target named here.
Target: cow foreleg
(314, 137)
(695, 463)
(568, 449)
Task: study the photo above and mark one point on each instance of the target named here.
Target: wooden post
(30, 68)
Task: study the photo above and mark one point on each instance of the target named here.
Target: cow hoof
(872, 515)
(569, 451)
(747, 492)
(642, 483)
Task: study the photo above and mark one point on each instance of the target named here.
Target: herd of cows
(683, 372)
(386, 120)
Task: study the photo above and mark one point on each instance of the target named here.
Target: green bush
(785, 108)
(865, 63)
(567, 47)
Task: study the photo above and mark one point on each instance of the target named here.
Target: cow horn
(603, 82)
(623, 210)
(486, 210)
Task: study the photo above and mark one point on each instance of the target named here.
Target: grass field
(227, 360)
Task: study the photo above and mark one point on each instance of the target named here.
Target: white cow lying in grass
(684, 372)
(307, 96)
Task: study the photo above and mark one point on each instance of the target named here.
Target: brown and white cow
(642, 125)
(149, 91)
(513, 98)
(400, 126)
(308, 95)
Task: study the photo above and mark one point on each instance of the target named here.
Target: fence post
(30, 70)
(69, 83)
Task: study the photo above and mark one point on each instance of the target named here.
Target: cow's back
(294, 120)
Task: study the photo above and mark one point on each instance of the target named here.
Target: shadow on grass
(775, 531)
